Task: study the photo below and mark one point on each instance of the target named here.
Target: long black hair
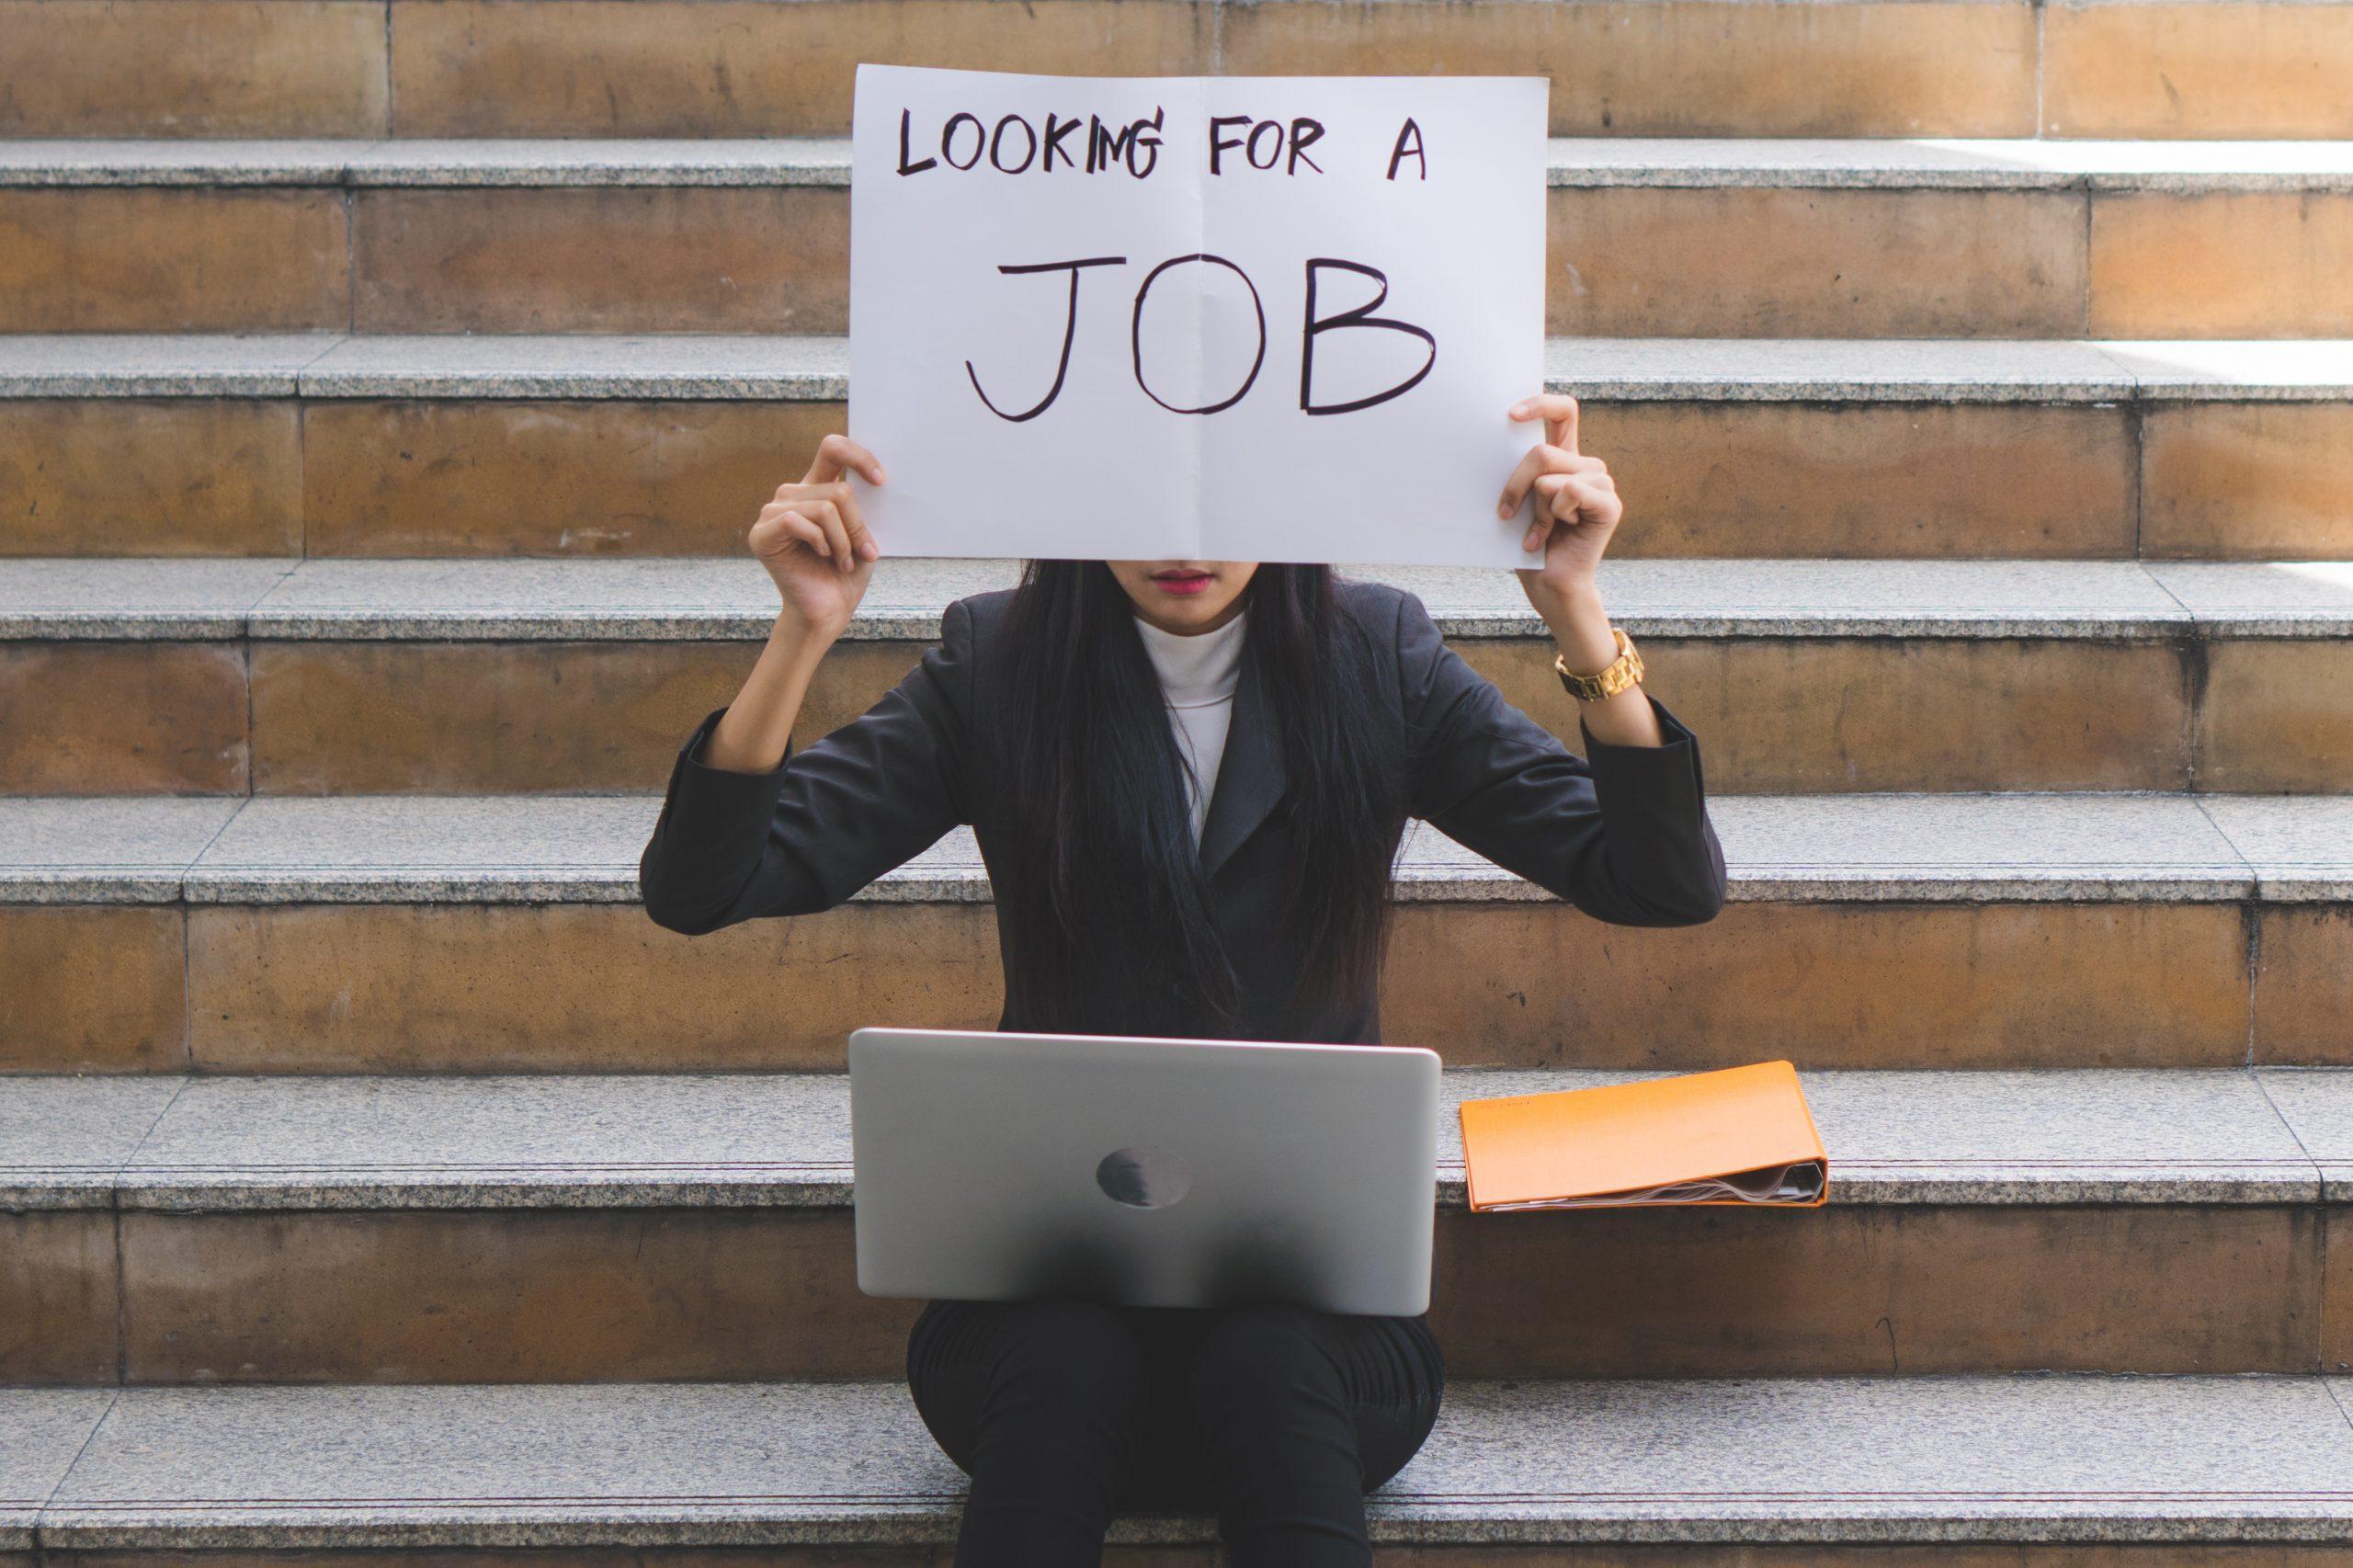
(1111, 892)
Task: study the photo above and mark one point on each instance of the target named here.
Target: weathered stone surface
(554, 1296)
(1813, 263)
(93, 988)
(626, 260)
(2124, 68)
(233, 1143)
(1806, 713)
(162, 260)
(738, 67)
(2044, 1459)
(1865, 480)
(1832, 985)
(1694, 1554)
(566, 1295)
(2277, 715)
(2222, 265)
(2243, 480)
(124, 717)
(2303, 986)
(63, 1140)
(487, 716)
(151, 476)
(1866, 930)
(47, 1428)
(2136, 166)
(408, 987)
(402, 478)
(203, 68)
(1833, 714)
(66, 851)
(57, 1303)
(1717, 1291)
(1828, 238)
(1683, 69)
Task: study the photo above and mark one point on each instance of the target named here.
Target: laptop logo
(1143, 1177)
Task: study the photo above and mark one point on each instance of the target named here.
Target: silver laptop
(1159, 1173)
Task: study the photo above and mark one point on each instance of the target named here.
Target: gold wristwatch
(1624, 671)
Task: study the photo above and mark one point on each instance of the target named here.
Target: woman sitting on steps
(1188, 780)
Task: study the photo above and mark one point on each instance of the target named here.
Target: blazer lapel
(1249, 780)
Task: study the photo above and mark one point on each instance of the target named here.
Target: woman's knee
(1027, 1372)
(1259, 1353)
(1078, 1350)
(1085, 1342)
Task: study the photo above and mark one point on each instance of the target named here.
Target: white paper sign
(1210, 318)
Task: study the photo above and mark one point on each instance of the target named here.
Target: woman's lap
(1390, 1373)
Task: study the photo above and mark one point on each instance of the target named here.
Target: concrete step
(474, 934)
(331, 677)
(674, 68)
(561, 1229)
(319, 444)
(1688, 237)
(2172, 1471)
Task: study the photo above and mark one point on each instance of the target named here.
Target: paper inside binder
(1797, 1183)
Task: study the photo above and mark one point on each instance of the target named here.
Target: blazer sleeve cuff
(727, 807)
(1661, 779)
(691, 754)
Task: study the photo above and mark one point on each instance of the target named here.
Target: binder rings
(1739, 1136)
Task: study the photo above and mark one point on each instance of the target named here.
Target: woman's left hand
(1576, 510)
(1577, 506)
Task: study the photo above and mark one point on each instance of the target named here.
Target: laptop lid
(1143, 1172)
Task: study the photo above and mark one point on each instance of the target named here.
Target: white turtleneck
(1198, 676)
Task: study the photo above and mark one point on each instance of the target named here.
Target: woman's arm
(1577, 509)
(1624, 833)
(818, 549)
(751, 828)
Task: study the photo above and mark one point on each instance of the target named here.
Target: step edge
(2022, 165)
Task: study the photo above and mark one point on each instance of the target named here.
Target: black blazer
(1625, 838)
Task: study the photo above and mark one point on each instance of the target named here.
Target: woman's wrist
(798, 642)
(1588, 646)
(753, 735)
(1580, 626)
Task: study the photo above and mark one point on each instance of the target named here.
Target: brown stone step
(671, 68)
(1675, 238)
(354, 678)
(407, 934)
(320, 444)
(561, 1229)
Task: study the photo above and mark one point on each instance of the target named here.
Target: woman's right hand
(815, 543)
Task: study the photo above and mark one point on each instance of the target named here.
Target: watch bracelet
(1622, 673)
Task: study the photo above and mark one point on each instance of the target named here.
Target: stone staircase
(380, 1187)
(575, 1227)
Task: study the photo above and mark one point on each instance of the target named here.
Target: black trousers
(1279, 1418)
